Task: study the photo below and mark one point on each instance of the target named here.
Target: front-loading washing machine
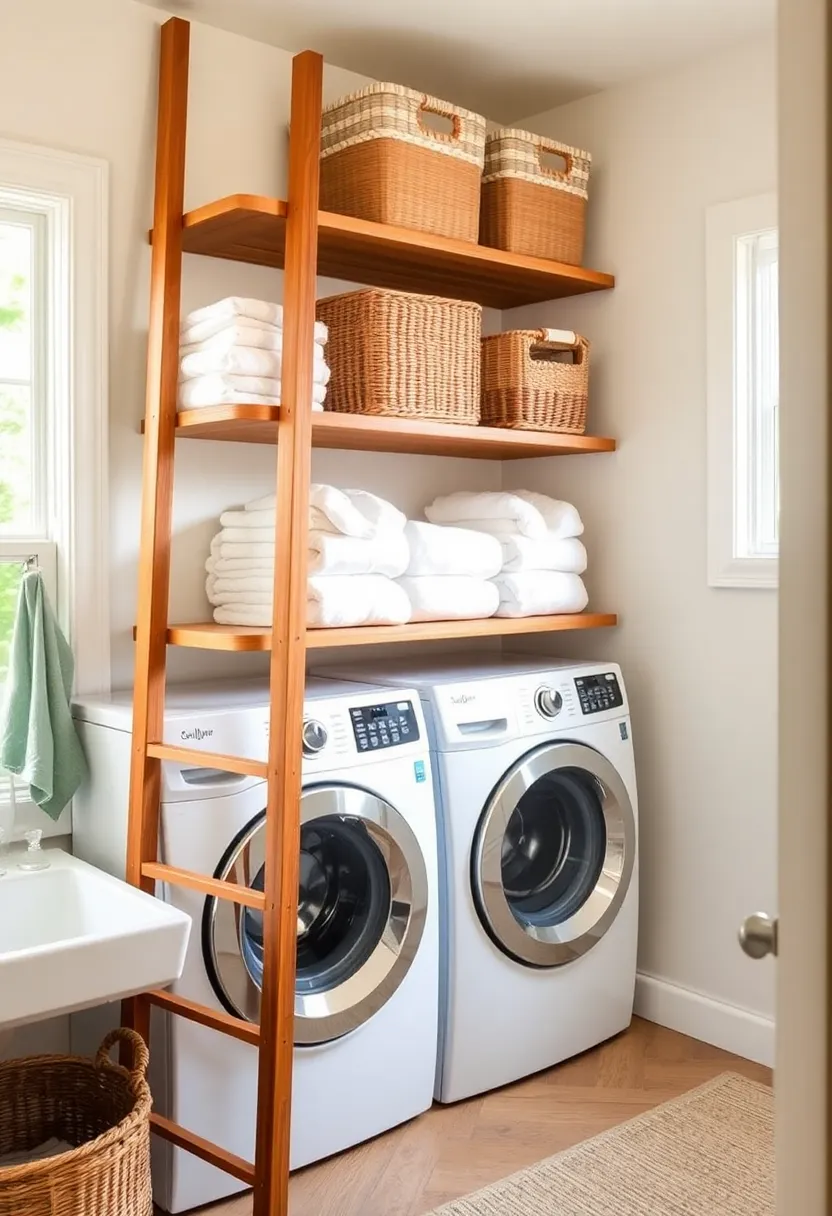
(366, 1002)
(536, 796)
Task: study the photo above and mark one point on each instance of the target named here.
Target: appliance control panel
(598, 693)
(387, 724)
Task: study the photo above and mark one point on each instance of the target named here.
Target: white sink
(72, 936)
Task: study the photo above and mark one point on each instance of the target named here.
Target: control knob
(314, 737)
(548, 702)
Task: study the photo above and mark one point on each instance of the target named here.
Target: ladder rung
(205, 885)
(237, 1028)
(212, 1153)
(200, 759)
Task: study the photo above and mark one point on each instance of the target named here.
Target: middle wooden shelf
(363, 433)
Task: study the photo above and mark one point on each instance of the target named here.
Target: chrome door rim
(554, 945)
(323, 1016)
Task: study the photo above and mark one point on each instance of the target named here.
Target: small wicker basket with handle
(99, 1109)
(530, 206)
(535, 380)
(383, 160)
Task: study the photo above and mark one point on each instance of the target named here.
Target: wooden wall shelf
(251, 228)
(357, 432)
(208, 636)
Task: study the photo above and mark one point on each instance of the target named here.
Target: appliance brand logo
(463, 698)
(197, 733)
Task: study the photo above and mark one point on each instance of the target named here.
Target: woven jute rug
(708, 1153)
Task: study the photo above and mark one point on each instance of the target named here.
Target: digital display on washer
(597, 693)
(388, 725)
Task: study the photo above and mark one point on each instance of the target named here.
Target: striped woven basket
(535, 380)
(531, 205)
(403, 356)
(382, 159)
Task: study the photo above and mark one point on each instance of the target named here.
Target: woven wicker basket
(98, 1107)
(535, 380)
(529, 207)
(403, 356)
(382, 161)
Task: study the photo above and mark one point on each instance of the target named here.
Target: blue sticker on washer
(419, 770)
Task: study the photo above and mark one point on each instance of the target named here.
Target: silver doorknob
(758, 935)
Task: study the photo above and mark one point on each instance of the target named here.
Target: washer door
(362, 902)
(553, 854)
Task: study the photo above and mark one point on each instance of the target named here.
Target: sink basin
(72, 936)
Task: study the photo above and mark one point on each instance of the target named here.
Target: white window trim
(71, 192)
(724, 224)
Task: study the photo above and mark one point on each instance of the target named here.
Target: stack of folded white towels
(449, 572)
(542, 558)
(357, 548)
(231, 353)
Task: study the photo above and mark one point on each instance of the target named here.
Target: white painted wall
(700, 663)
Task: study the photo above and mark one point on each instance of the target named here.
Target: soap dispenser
(34, 857)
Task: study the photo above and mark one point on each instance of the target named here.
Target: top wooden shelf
(250, 228)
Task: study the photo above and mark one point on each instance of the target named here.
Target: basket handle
(430, 106)
(128, 1038)
(548, 145)
(554, 340)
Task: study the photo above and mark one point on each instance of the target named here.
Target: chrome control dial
(548, 702)
(314, 737)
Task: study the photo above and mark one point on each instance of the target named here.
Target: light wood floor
(452, 1150)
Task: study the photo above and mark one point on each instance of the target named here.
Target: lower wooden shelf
(208, 636)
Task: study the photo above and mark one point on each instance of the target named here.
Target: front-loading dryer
(366, 994)
(536, 796)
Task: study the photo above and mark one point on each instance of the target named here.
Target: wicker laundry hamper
(399, 355)
(529, 206)
(535, 380)
(382, 160)
(101, 1109)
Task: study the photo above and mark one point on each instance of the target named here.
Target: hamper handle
(557, 339)
(547, 145)
(430, 106)
(141, 1056)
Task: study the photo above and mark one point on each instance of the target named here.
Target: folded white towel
(248, 519)
(521, 553)
(241, 582)
(540, 593)
(204, 322)
(350, 512)
(230, 389)
(250, 599)
(449, 597)
(232, 359)
(333, 554)
(231, 567)
(245, 536)
(435, 550)
(360, 599)
(498, 512)
(244, 614)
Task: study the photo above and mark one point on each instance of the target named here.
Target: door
(802, 1085)
(553, 854)
(362, 903)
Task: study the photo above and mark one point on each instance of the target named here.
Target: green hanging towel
(38, 741)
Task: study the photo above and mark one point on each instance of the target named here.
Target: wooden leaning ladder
(269, 1172)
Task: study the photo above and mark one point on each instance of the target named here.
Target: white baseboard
(741, 1031)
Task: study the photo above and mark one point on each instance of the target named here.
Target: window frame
(733, 499)
(70, 193)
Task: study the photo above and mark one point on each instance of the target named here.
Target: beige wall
(700, 663)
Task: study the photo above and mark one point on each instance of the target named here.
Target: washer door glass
(362, 901)
(553, 854)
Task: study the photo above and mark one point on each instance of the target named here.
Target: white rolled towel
(204, 322)
(500, 513)
(230, 359)
(350, 512)
(334, 554)
(220, 388)
(449, 597)
(437, 550)
(360, 599)
(520, 553)
(540, 593)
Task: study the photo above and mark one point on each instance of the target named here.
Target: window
(743, 393)
(53, 432)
